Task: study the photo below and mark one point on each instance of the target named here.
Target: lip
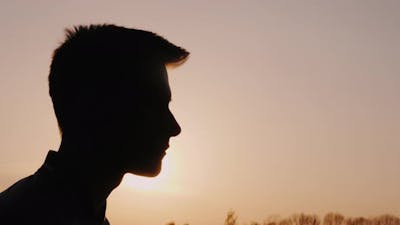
(166, 146)
(165, 149)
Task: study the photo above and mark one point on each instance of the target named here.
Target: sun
(161, 183)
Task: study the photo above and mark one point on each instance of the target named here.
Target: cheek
(149, 123)
(138, 128)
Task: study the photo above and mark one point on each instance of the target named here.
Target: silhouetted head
(109, 87)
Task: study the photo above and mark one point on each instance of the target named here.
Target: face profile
(110, 93)
(145, 128)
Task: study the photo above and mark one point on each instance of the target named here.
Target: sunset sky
(285, 106)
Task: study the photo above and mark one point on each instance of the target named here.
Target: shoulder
(25, 201)
(22, 189)
(15, 198)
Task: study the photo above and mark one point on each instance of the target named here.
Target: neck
(90, 169)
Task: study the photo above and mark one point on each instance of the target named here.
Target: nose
(174, 127)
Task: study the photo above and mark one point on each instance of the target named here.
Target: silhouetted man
(110, 93)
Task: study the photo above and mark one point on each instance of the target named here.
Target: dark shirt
(49, 197)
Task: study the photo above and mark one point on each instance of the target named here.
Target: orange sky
(284, 107)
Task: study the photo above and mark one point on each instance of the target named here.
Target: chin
(152, 174)
(147, 171)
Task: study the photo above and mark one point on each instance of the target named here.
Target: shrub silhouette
(386, 220)
(311, 219)
(333, 219)
(231, 218)
(304, 219)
